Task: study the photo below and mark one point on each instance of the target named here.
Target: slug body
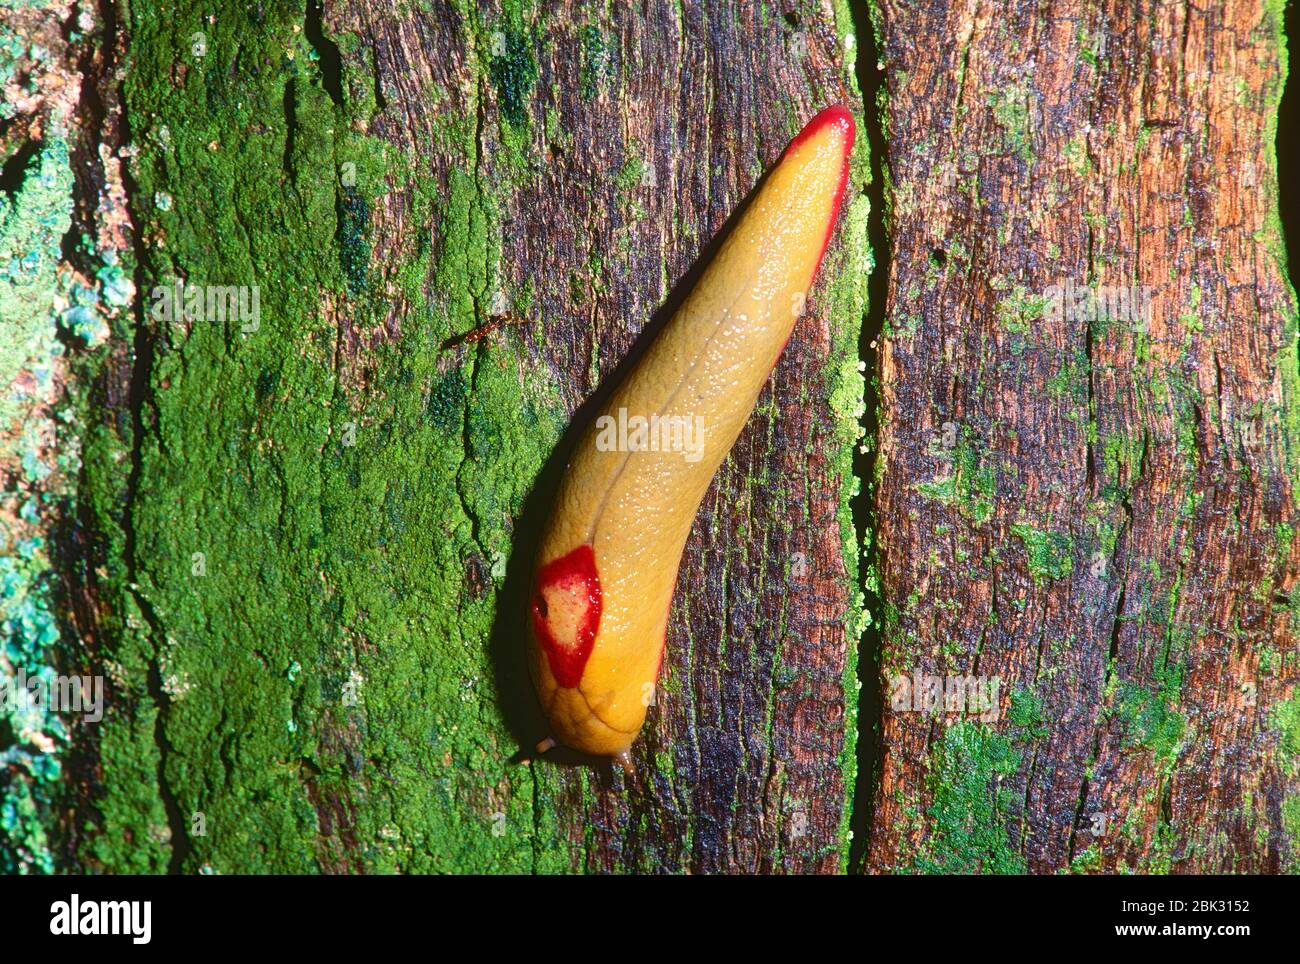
(607, 566)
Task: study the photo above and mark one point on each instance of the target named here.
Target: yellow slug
(607, 565)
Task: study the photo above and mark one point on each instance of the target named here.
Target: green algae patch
(513, 70)
(1049, 555)
(1010, 108)
(1025, 713)
(1288, 355)
(32, 224)
(1150, 720)
(597, 66)
(967, 815)
(1017, 311)
(36, 465)
(314, 544)
(969, 482)
(1286, 721)
(846, 387)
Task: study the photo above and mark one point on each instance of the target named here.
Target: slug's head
(594, 709)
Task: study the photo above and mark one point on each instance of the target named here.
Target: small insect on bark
(494, 323)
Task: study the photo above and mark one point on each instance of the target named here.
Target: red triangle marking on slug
(566, 608)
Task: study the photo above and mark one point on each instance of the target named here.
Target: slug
(609, 553)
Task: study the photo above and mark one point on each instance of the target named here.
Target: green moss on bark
(299, 549)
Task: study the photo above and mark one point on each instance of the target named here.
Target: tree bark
(1098, 512)
(296, 545)
(305, 538)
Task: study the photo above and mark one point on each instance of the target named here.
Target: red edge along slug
(607, 564)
